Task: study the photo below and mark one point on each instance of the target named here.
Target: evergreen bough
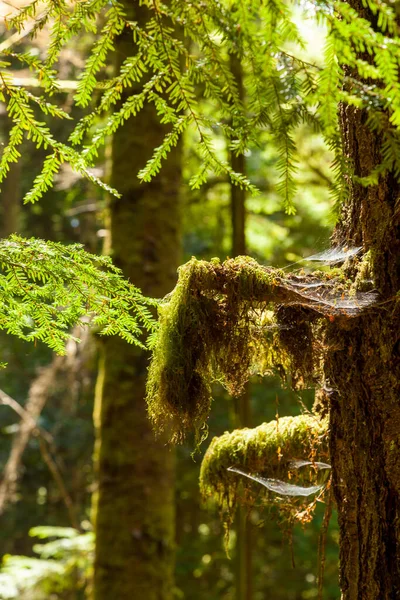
(47, 287)
(181, 57)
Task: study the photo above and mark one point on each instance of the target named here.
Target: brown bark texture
(134, 505)
(363, 381)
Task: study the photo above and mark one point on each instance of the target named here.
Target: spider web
(281, 487)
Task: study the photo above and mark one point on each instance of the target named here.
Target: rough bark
(363, 378)
(134, 505)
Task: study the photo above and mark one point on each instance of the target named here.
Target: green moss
(226, 321)
(178, 391)
(265, 450)
(209, 329)
(363, 278)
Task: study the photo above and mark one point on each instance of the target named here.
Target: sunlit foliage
(46, 288)
(182, 55)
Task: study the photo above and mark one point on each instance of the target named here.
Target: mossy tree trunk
(134, 504)
(363, 382)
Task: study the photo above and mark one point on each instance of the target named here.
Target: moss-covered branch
(225, 321)
(268, 450)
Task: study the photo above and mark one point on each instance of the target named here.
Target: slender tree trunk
(245, 533)
(10, 198)
(363, 382)
(134, 505)
(238, 195)
(244, 579)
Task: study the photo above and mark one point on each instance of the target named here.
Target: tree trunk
(244, 558)
(363, 382)
(134, 508)
(238, 195)
(10, 197)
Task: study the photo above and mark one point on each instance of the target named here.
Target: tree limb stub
(226, 321)
(271, 450)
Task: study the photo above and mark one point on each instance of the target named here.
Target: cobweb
(327, 296)
(282, 488)
(335, 255)
(298, 463)
(332, 256)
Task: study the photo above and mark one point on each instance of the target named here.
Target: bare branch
(40, 391)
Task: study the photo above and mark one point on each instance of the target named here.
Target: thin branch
(39, 393)
(54, 470)
(34, 82)
(16, 37)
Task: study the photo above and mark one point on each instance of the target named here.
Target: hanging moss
(221, 322)
(206, 332)
(266, 450)
(297, 337)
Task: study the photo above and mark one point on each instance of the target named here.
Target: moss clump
(225, 321)
(206, 332)
(265, 450)
(296, 336)
(178, 389)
